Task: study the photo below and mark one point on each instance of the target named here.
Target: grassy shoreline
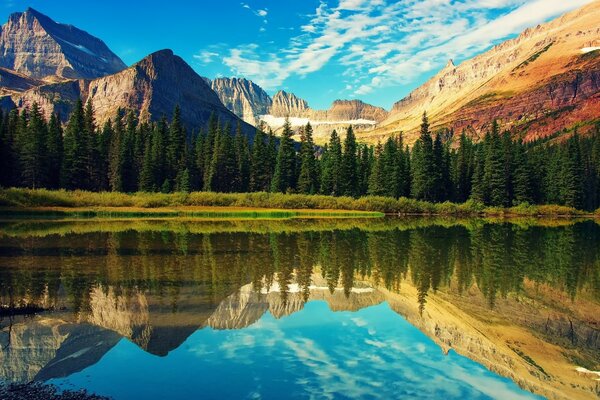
(82, 204)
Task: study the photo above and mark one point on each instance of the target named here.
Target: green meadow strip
(247, 205)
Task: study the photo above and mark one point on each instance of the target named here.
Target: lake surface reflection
(339, 308)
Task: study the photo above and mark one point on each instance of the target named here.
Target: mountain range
(544, 81)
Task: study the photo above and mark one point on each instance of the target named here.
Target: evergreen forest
(126, 155)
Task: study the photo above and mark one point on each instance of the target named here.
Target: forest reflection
(60, 266)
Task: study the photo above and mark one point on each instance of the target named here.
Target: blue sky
(322, 50)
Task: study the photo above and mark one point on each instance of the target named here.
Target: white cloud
(383, 43)
(262, 13)
(206, 56)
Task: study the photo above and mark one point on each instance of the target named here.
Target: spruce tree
(32, 148)
(365, 164)
(115, 178)
(175, 146)
(147, 178)
(54, 152)
(75, 168)
(377, 178)
(494, 169)
(349, 170)
(571, 176)
(308, 177)
(331, 166)
(521, 177)
(242, 156)
(478, 185)
(463, 174)
(259, 165)
(284, 178)
(424, 176)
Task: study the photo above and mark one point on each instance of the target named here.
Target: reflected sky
(313, 353)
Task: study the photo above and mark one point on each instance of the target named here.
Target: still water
(338, 308)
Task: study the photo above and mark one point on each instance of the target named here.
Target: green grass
(533, 57)
(81, 204)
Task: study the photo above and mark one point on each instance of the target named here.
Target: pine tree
(54, 152)
(571, 176)
(495, 169)
(147, 178)
(308, 177)
(521, 178)
(377, 178)
(284, 178)
(88, 142)
(128, 170)
(424, 176)
(365, 164)
(115, 178)
(478, 186)
(403, 169)
(33, 150)
(463, 174)
(331, 166)
(242, 156)
(349, 170)
(390, 168)
(200, 148)
(175, 146)
(75, 168)
(260, 174)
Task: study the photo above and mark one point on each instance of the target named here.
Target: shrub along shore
(15, 202)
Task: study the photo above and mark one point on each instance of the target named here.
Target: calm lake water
(338, 308)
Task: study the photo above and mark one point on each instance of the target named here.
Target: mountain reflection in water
(352, 308)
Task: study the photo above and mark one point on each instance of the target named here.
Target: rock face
(11, 81)
(544, 80)
(244, 98)
(153, 86)
(251, 103)
(354, 110)
(34, 45)
(288, 105)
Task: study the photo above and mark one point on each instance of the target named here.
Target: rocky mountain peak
(33, 44)
(287, 104)
(348, 110)
(245, 98)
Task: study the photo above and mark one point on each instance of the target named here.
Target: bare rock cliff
(35, 45)
(244, 98)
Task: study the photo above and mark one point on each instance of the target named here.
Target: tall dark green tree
(260, 174)
(331, 166)
(377, 179)
(284, 178)
(495, 169)
(308, 180)
(424, 176)
(75, 167)
(349, 170)
(32, 146)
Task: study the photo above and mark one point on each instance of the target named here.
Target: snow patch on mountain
(278, 122)
(81, 48)
(589, 49)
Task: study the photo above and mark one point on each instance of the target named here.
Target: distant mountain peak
(33, 44)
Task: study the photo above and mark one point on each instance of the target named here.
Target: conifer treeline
(126, 155)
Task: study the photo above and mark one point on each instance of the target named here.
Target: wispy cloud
(382, 43)
(206, 56)
(261, 13)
